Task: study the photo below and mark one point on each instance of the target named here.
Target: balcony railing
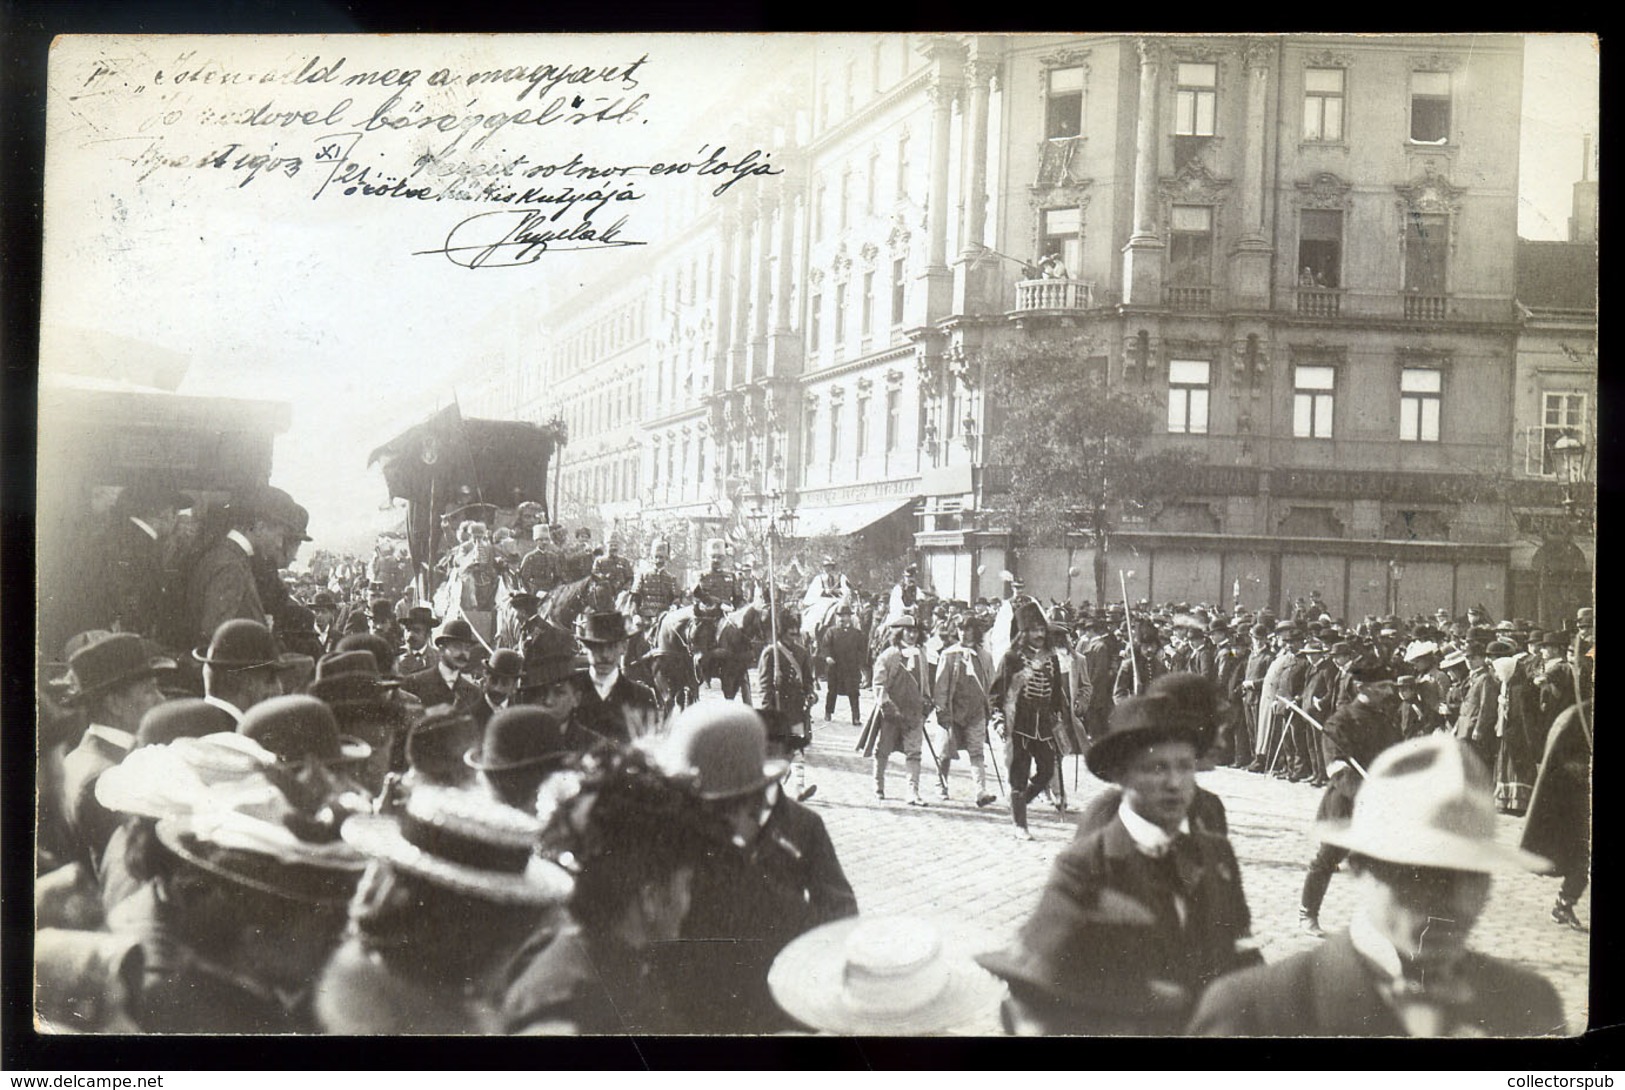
(1320, 302)
(1055, 295)
(1188, 298)
(1424, 308)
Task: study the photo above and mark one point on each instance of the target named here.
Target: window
(840, 315)
(815, 320)
(1323, 104)
(868, 312)
(1430, 107)
(897, 287)
(1425, 247)
(1312, 389)
(820, 199)
(892, 419)
(1190, 245)
(1064, 106)
(1419, 390)
(1563, 415)
(863, 426)
(810, 440)
(871, 182)
(846, 198)
(835, 408)
(902, 166)
(1195, 105)
(1320, 249)
(1188, 396)
(851, 82)
(1062, 235)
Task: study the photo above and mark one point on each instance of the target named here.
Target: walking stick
(936, 764)
(1128, 629)
(990, 747)
(1313, 722)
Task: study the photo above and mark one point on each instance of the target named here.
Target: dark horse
(677, 641)
(729, 660)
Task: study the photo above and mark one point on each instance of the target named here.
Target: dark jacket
(786, 677)
(1328, 991)
(431, 689)
(1558, 824)
(747, 906)
(222, 588)
(568, 982)
(846, 649)
(608, 718)
(1106, 946)
(131, 590)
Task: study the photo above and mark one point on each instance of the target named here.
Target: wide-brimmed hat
(1420, 649)
(1454, 658)
(518, 737)
(419, 615)
(465, 842)
(188, 774)
(455, 629)
(115, 659)
(721, 749)
(604, 628)
(889, 975)
(1428, 802)
(301, 727)
(266, 856)
(1138, 722)
(243, 644)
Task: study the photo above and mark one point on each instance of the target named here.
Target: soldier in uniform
(577, 560)
(618, 567)
(655, 590)
(717, 585)
(540, 570)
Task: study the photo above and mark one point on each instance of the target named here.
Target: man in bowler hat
(448, 681)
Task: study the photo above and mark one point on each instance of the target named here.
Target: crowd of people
(324, 810)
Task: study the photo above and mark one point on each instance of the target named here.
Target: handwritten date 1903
(520, 236)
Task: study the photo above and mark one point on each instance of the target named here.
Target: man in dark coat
(1355, 734)
(771, 876)
(129, 575)
(448, 680)
(1422, 846)
(844, 651)
(223, 584)
(1558, 825)
(611, 704)
(1139, 916)
(1101, 657)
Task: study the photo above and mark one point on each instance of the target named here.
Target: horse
(729, 659)
(678, 638)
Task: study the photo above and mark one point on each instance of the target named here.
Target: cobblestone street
(963, 867)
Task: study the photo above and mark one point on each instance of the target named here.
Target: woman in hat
(249, 888)
(1028, 698)
(1422, 847)
(1140, 915)
(454, 889)
(633, 837)
(1558, 825)
(902, 696)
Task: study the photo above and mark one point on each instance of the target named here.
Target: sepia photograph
(785, 535)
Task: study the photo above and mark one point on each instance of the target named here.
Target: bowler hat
(882, 975)
(435, 746)
(505, 662)
(904, 620)
(118, 658)
(243, 644)
(382, 653)
(275, 505)
(420, 615)
(381, 609)
(464, 842)
(722, 748)
(518, 737)
(324, 599)
(604, 628)
(300, 727)
(1500, 649)
(455, 629)
(1553, 639)
(523, 599)
(1428, 802)
(188, 717)
(357, 622)
(1138, 722)
(346, 678)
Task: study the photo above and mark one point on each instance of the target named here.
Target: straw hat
(884, 975)
(1428, 802)
(464, 842)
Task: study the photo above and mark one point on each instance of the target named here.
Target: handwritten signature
(520, 236)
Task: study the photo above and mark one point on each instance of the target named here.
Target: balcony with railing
(1054, 295)
(1180, 297)
(1424, 308)
(1320, 302)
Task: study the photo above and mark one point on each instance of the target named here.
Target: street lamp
(1570, 455)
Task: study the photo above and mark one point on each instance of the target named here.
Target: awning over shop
(846, 518)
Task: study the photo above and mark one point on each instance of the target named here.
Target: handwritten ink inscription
(560, 148)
